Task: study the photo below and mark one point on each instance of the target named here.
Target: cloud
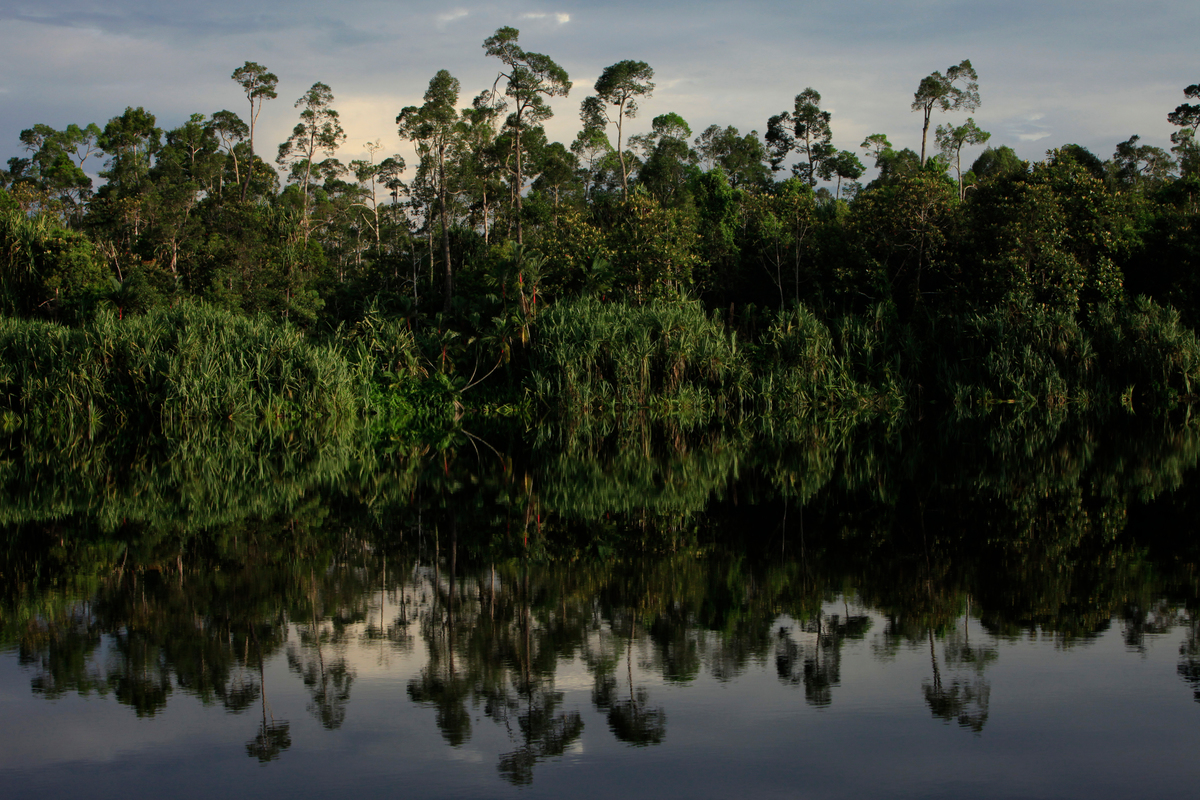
(1029, 128)
(558, 16)
(452, 16)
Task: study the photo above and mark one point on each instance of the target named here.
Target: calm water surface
(977, 618)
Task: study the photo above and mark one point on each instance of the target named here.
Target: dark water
(985, 614)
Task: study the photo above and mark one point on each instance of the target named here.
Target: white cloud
(559, 17)
(452, 16)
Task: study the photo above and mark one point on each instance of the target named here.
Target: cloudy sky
(1050, 71)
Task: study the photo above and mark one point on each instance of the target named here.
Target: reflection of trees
(545, 732)
(630, 717)
(1189, 656)
(165, 620)
(815, 660)
(498, 653)
(965, 697)
(440, 684)
(273, 736)
(320, 659)
(1023, 533)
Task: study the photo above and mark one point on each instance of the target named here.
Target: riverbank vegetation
(710, 278)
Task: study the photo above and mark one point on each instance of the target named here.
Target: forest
(700, 276)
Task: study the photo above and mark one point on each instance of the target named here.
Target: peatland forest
(713, 279)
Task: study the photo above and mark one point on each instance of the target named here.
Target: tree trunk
(445, 228)
(517, 138)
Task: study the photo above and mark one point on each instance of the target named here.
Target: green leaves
(434, 121)
(623, 83)
(256, 81)
(319, 131)
(531, 77)
(805, 131)
(957, 90)
(619, 85)
(951, 141)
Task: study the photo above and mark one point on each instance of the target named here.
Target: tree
(259, 86)
(1080, 155)
(805, 131)
(434, 125)
(592, 148)
(843, 165)
(476, 155)
(319, 130)
(131, 141)
(669, 160)
(531, 77)
(1141, 166)
(743, 158)
(1187, 117)
(995, 162)
(876, 145)
(951, 140)
(778, 225)
(619, 85)
(371, 176)
(58, 158)
(957, 89)
(559, 170)
(901, 224)
(230, 132)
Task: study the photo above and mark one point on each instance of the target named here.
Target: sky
(1051, 72)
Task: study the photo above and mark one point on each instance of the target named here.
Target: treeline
(959, 275)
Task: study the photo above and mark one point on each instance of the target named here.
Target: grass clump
(171, 368)
(666, 357)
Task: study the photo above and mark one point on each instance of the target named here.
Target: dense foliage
(669, 272)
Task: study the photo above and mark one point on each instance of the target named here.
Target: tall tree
(230, 132)
(877, 145)
(479, 165)
(131, 141)
(592, 148)
(371, 176)
(434, 125)
(318, 131)
(806, 131)
(259, 86)
(1141, 166)
(1187, 117)
(669, 159)
(957, 90)
(619, 86)
(58, 158)
(531, 79)
(743, 158)
(951, 140)
(843, 165)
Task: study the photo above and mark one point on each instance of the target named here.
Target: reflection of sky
(1089, 721)
(1050, 72)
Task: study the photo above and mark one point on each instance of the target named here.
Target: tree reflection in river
(644, 568)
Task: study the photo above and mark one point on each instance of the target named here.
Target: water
(984, 617)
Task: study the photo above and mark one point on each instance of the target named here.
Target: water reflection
(664, 567)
